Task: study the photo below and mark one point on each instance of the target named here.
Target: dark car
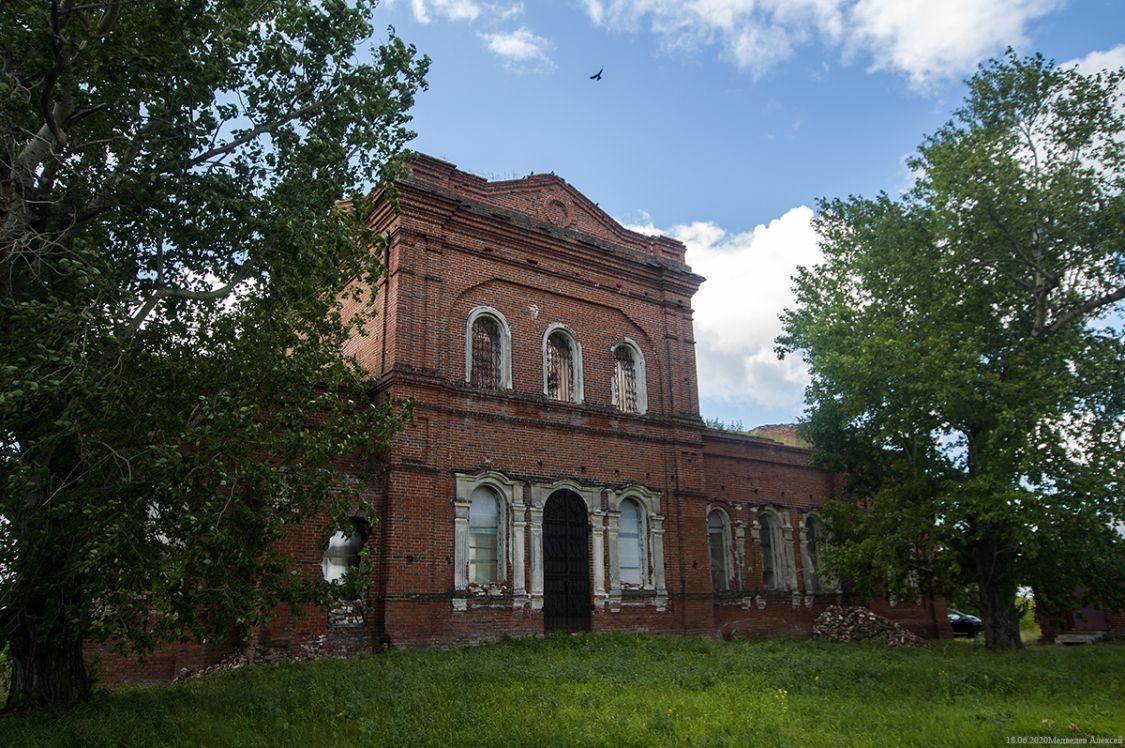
(964, 624)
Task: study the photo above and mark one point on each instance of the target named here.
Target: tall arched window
(769, 565)
(484, 521)
(488, 355)
(562, 366)
(812, 553)
(717, 550)
(485, 370)
(629, 543)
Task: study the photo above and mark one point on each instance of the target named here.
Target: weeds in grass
(619, 689)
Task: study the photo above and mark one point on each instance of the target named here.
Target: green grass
(616, 689)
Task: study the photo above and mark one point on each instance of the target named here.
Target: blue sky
(720, 122)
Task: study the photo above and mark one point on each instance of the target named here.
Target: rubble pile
(850, 624)
(317, 649)
(235, 661)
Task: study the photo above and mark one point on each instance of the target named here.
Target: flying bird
(597, 76)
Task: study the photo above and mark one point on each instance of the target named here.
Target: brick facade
(534, 255)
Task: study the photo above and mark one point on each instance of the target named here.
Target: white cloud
(923, 39)
(929, 40)
(453, 10)
(464, 10)
(595, 10)
(1109, 59)
(419, 9)
(736, 310)
(501, 13)
(520, 49)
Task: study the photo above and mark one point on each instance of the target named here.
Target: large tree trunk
(46, 669)
(997, 598)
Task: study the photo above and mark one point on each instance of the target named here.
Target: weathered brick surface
(541, 253)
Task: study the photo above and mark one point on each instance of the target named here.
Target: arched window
(484, 521)
(343, 551)
(769, 565)
(629, 543)
(562, 366)
(629, 388)
(485, 370)
(482, 554)
(812, 555)
(488, 356)
(775, 539)
(717, 544)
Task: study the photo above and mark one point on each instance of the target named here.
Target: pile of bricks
(235, 661)
(317, 649)
(849, 624)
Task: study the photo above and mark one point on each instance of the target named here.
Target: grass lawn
(617, 689)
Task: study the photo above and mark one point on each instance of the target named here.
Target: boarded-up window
(484, 519)
(717, 550)
(629, 543)
(486, 353)
(560, 367)
(625, 379)
(769, 572)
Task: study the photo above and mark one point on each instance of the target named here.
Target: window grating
(560, 367)
(625, 380)
(486, 353)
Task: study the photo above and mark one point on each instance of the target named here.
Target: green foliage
(967, 356)
(618, 689)
(5, 667)
(357, 579)
(174, 264)
(721, 425)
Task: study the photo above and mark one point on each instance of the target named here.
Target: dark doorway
(566, 566)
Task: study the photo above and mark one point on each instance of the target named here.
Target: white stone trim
(728, 565)
(652, 538)
(781, 545)
(576, 348)
(511, 502)
(597, 538)
(540, 492)
(825, 582)
(505, 344)
(640, 374)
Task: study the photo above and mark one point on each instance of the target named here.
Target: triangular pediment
(546, 198)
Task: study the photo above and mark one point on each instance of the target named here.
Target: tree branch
(242, 273)
(1076, 312)
(255, 132)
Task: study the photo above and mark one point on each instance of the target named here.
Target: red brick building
(556, 474)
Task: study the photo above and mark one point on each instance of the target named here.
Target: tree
(966, 352)
(173, 266)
